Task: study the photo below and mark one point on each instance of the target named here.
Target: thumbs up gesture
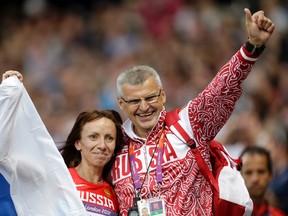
(259, 27)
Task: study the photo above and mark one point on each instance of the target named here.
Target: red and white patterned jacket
(185, 189)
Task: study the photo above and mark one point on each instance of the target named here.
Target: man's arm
(209, 112)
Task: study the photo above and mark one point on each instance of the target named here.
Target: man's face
(145, 212)
(256, 174)
(144, 113)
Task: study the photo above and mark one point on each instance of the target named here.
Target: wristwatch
(254, 50)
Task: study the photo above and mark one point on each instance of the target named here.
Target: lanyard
(134, 172)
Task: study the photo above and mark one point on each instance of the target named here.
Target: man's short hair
(252, 150)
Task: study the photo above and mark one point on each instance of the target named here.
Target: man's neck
(141, 133)
(258, 200)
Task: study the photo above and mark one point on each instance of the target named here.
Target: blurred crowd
(70, 53)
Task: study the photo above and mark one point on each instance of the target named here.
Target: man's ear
(163, 96)
(120, 103)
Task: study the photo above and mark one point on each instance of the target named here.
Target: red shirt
(98, 199)
(266, 210)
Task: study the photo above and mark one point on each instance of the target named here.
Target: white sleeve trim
(245, 56)
(185, 122)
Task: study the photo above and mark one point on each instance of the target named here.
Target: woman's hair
(72, 156)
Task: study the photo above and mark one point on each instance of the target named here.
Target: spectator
(257, 173)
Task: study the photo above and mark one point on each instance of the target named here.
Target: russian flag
(6, 204)
(32, 166)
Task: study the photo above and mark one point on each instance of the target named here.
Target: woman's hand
(11, 73)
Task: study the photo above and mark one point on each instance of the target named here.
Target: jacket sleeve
(210, 110)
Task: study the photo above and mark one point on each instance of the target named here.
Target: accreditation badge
(152, 207)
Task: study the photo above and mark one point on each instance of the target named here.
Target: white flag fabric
(40, 183)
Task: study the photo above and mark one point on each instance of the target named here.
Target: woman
(89, 153)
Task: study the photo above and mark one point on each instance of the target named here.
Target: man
(257, 173)
(155, 166)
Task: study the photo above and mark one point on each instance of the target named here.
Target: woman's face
(97, 143)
